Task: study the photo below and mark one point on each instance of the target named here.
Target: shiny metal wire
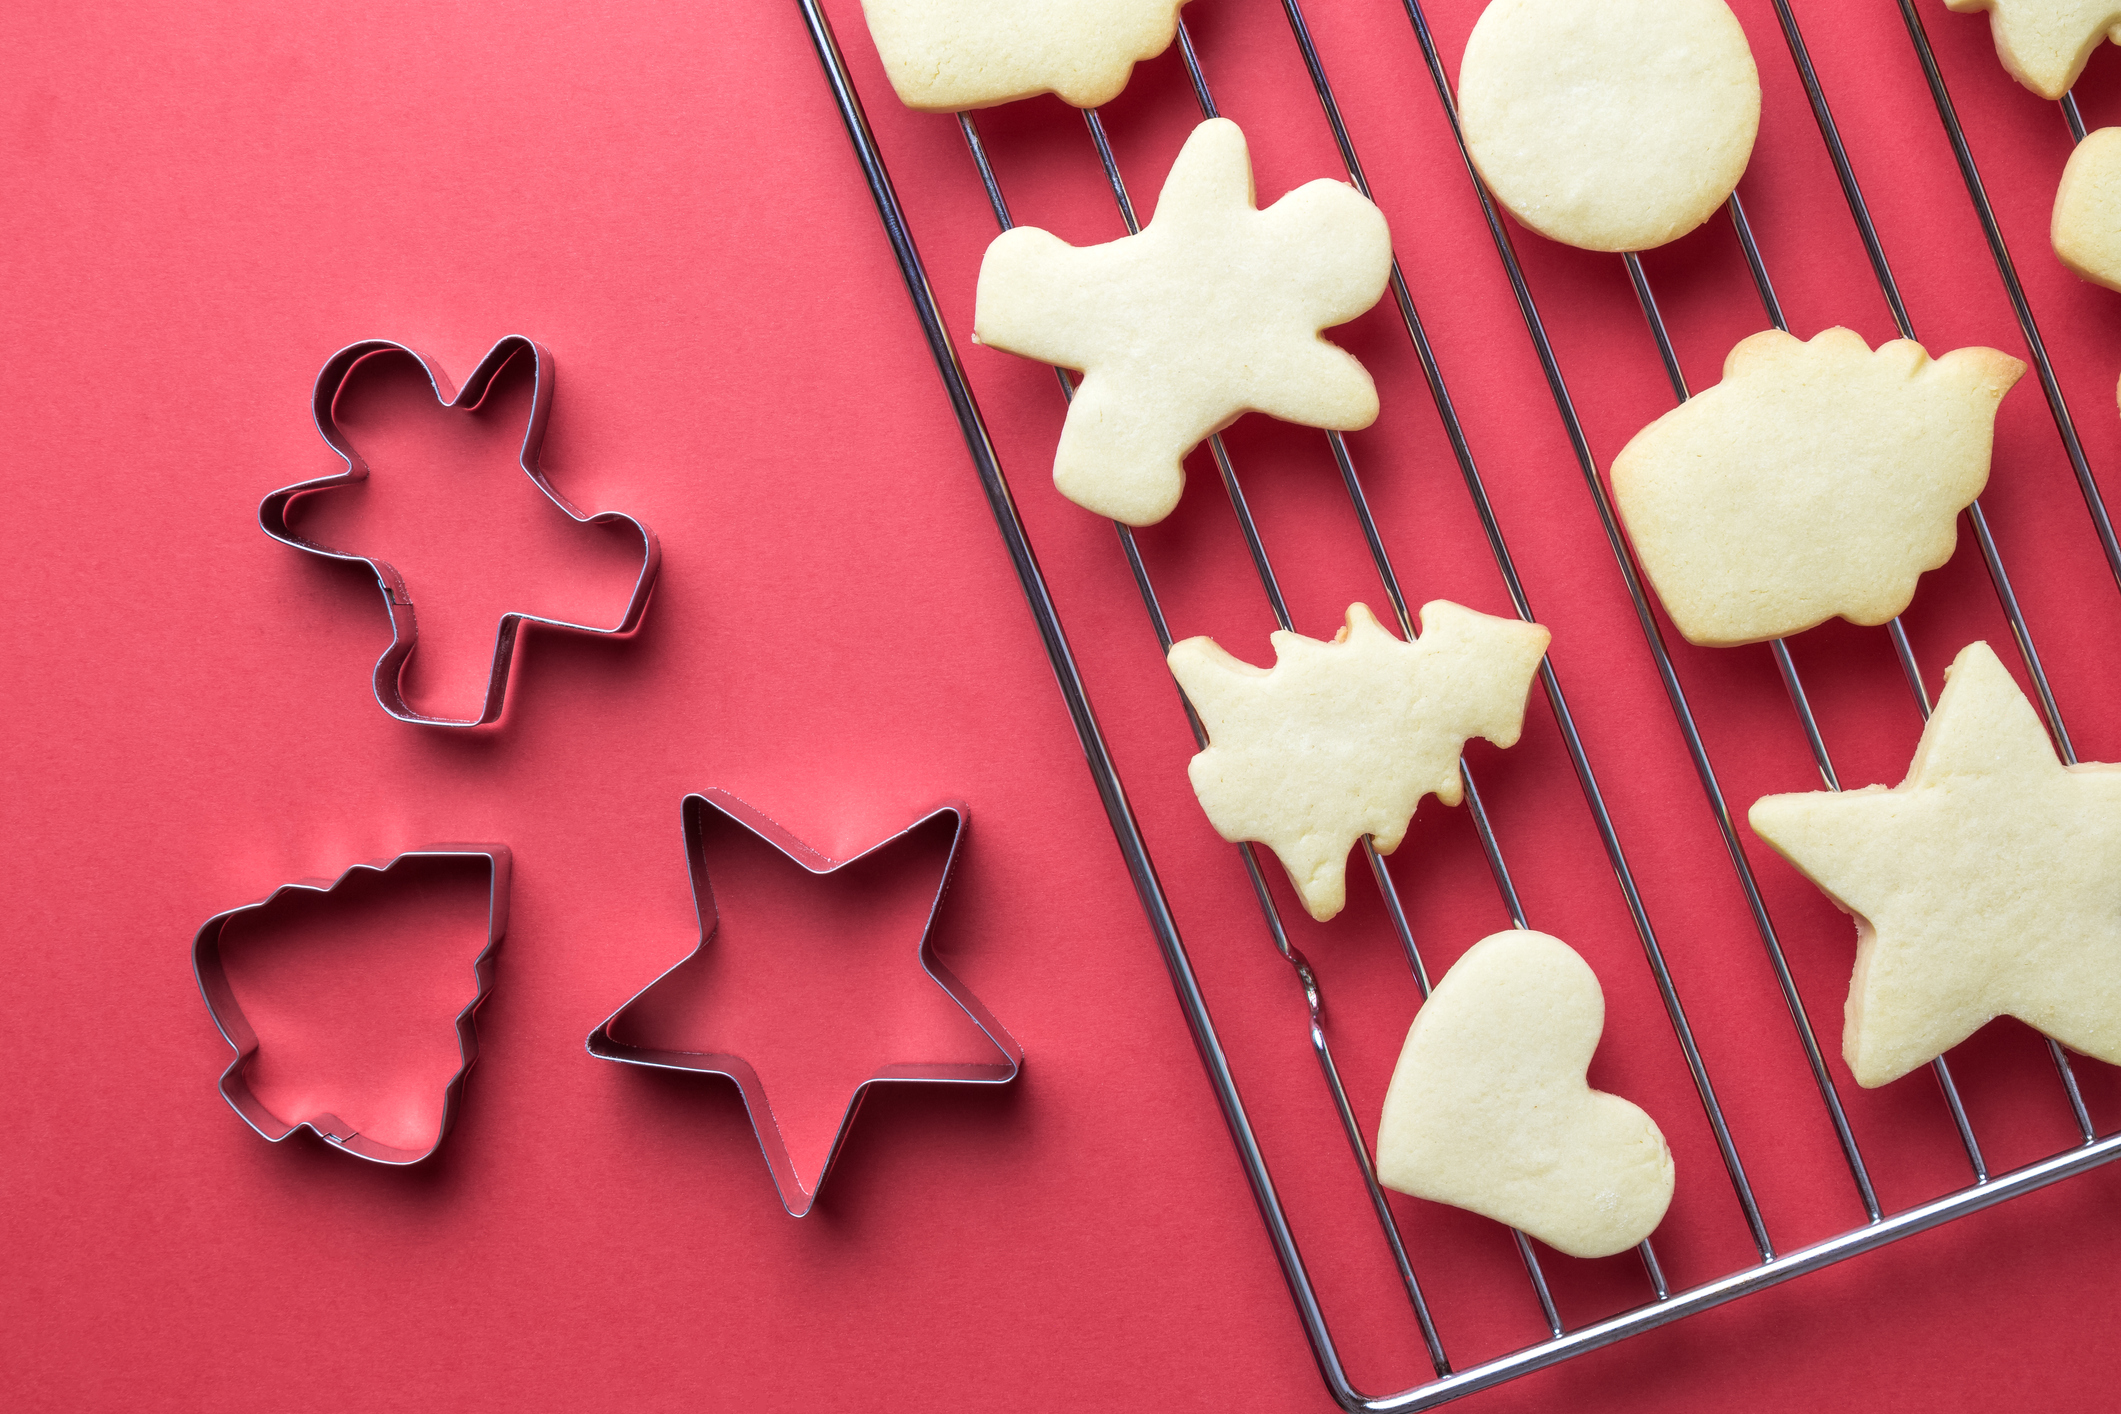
(1799, 698)
(2071, 117)
(1549, 680)
(1478, 810)
(1646, 620)
(1270, 912)
(2006, 270)
(1097, 756)
(1977, 520)
(1390, 580)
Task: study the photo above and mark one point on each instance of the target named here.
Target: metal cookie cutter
(698, 811)
(404, 629)
(236, 1029)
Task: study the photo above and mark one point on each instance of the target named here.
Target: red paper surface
(203, 203)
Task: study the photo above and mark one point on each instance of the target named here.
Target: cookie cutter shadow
(397, 601)
(236, 1029)
(698, 812)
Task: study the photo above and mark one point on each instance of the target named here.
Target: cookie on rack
(1988, 883)
(1489, 1109)
(1613, 126)
(2046, 43)
(1818, 479)
(1342, 739)
(944, 56)
(2086, 229)
(1212, 311)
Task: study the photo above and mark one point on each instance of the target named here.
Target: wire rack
(1663, 1304)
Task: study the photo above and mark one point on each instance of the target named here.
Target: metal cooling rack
(1663, 1305)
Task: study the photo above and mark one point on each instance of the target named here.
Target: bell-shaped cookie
(1819, 479)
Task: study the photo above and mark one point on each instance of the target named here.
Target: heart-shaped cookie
(1489, 1110)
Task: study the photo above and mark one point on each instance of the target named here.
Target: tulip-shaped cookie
(943, 56)
(1212, 311)
(2046, 43)
(1489, 1109)
(1340, 740)
(1987, 883)
(2086, 226)
(1817, 479)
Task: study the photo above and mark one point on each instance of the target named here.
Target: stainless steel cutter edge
(397, 602)
(797, 1200)
(235, 1028)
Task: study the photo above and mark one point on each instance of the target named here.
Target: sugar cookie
(2045, 43)
(1340, 740)
(944, 56)
(2086, 229)
(1489, 1109)
(1214, 310)
(1987, 883)
(1817, 479)
(1613, 125)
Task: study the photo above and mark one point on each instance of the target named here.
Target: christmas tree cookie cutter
(397, 601)
(699, 812)
(236, 1029)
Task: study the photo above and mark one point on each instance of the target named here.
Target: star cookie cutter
(697, 811)
(404, 627)
(235, 1028)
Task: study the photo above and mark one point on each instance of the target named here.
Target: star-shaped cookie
(1340, 740)
(1212, 311)
(2046, 43)
(943, 56)
(1988, 883)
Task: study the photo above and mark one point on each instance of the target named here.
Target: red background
(205, 202)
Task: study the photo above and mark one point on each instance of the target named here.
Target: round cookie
(2086, 227)
(1609, 124)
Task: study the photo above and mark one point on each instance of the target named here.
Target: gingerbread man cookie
(1214, 310)
(2046, 43)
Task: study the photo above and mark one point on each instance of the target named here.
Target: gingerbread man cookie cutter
(404, 627)
(699, 811)
(236, 1029)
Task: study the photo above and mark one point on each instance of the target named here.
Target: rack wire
(1999, 252)
(1664, 1305)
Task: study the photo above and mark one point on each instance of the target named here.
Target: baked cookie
(2045, 43)
(1817, 479)
(1618, 125)
(1340, 740)
(944, 56)
(1214, 310)
(1987, 883)
(1489, 1109)
(2086, 229)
